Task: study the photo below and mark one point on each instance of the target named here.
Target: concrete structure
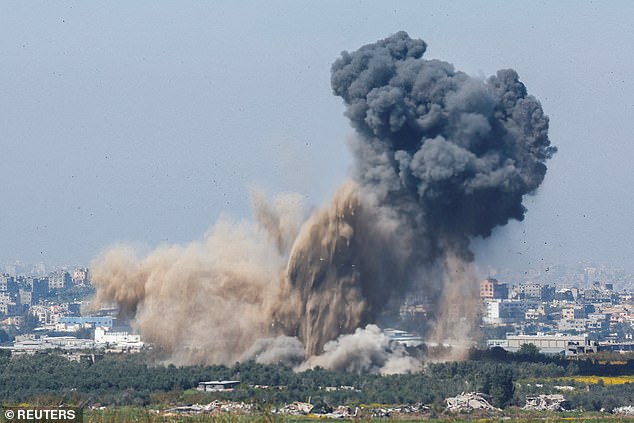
(89, 358)
(218, 385)
(25, 296)
(554, 402)
(506, 311)
(491, 288)
(117, 340)
(598, 296)
(574, 325)
(58, 280)
(404, 338)
(88, 321)
(553, 344)
(10, 308)
(572, 313)
(80, 276)
(31, 344)
(535, 291)
(4, 279)
(39, 288)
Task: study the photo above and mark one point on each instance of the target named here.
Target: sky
(144, 122)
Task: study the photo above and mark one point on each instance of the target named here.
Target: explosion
(439, 158)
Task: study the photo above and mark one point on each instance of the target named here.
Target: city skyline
(144, 126)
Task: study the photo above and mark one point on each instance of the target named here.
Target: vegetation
(139, 380)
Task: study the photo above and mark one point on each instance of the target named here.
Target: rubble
(470, 401)
(342, 412)
(295, 409)
(401, 409)
(627, 410)
(214, 407)
(554, 402)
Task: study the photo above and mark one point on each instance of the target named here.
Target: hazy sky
(142, 122)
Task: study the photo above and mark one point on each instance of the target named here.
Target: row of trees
(130, 379)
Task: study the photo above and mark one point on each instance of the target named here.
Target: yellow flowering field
(608, 380)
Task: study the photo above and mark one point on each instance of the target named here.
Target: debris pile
(295, 409)
(466, 402)
(341, 412)
(554, 402)
(396, 410)
(214, 407)
(627, 410)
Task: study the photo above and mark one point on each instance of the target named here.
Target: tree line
(140, 379)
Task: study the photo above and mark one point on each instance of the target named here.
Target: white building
(80, 276)
(119, 340)
(553, 344)
(506, 311)
(218, 385)
(31, 343)
(404, 338)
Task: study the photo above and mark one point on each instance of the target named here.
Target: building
(218, 385)
(535, 291)
(17, 321)
(117, 340)
(553, 344)
(598, 296)
(572, 313)
(32, 343)
(10, 308)
(539, 313)
(80, 277)
(79, 357)
(573, 325)
(88, 321)
(404, 338)
(45, 314)
(598, 322)
(506, 311)
(4, 282)
(39, 288)
(491, 288)
(58, 280)
(25, 296)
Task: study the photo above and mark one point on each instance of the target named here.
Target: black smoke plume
(455, 153)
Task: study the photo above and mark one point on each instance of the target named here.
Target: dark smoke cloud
(465, 150)
(440, 157)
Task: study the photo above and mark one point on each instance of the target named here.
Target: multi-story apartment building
(572, 313)
(491, 288)
(506, 311)
(58, 280)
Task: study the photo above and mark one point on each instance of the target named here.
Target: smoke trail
(440, 157)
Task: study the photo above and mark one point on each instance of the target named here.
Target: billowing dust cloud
(440, 157)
